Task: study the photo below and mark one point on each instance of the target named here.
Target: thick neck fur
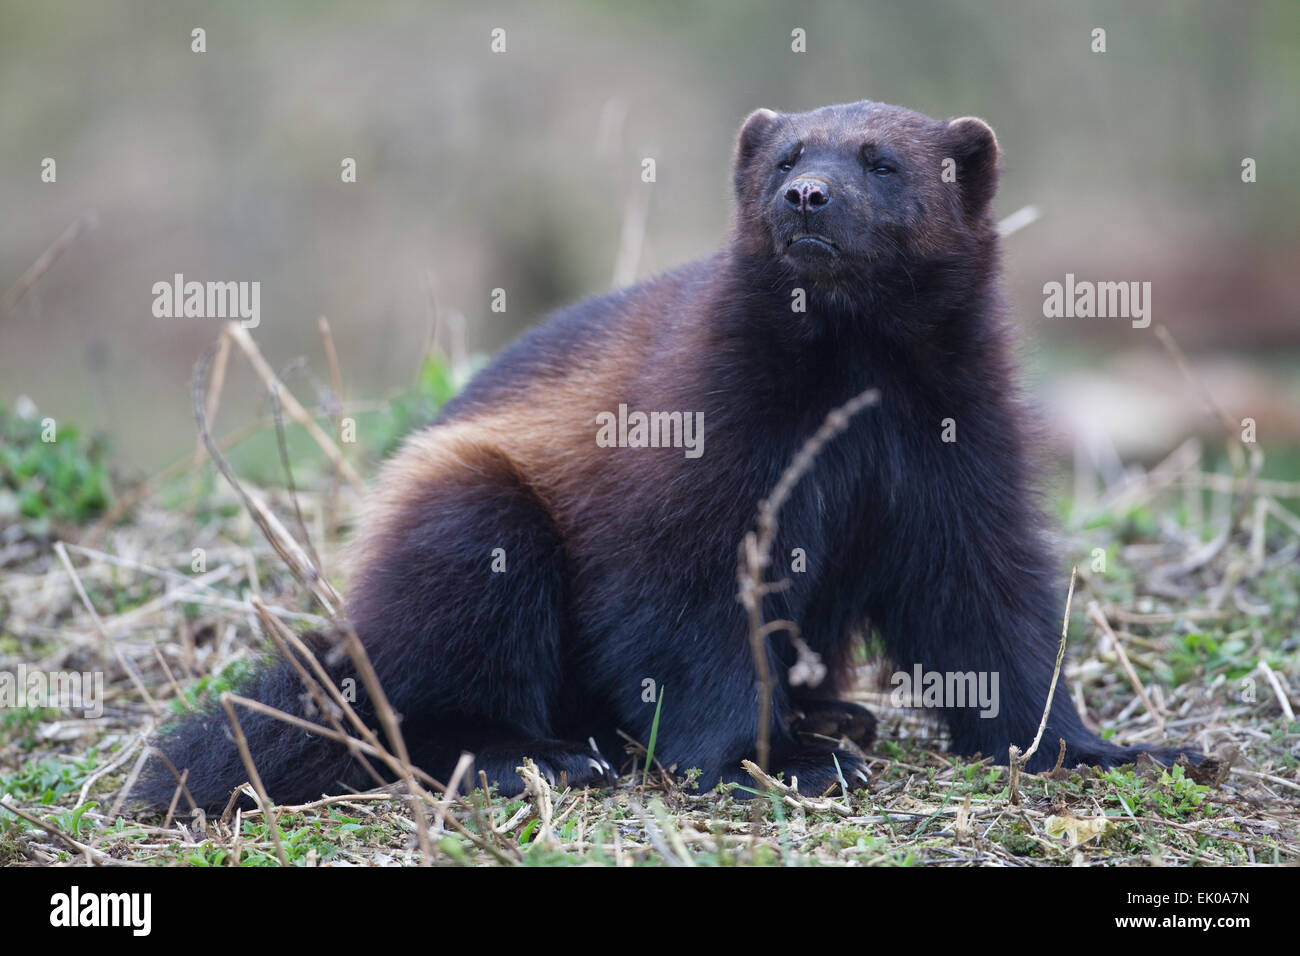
(929, 322)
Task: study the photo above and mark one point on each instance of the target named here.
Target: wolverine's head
(837, 192)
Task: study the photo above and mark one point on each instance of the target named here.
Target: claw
(862, 775)
(598, 762)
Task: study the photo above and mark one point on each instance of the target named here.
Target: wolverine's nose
(807, 194)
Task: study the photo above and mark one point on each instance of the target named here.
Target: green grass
(1205, 666)
(49, 475)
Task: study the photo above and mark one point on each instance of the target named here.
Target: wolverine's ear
(975, 149)
(754, 132)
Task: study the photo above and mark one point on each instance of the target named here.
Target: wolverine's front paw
(560, 762)
(815, 772)
(830, 721)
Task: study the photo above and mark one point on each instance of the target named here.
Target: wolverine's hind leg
(460, 600)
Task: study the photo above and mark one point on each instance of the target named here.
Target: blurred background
(522, 170)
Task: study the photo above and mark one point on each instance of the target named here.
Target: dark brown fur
(621, 562)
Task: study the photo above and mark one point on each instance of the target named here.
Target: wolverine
(518, 584)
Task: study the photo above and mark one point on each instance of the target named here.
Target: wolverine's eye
(877, 161)
(792, 157)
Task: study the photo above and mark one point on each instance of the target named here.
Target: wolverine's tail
(295, 766)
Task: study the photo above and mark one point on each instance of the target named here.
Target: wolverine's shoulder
(608, 330)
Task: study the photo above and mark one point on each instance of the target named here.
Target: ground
(1177, 633)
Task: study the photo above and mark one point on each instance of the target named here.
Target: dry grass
(1192, 634)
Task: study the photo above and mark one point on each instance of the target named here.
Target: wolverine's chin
(812, 255)
(810, 243)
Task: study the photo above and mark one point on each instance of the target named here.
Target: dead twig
(240, 336)
(336, 383)
(1016, 761)
(92, 855)
(1095, 615)
(106, 641)
(254, 777)
(756, 555)
(46, 259)
(290, 552)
